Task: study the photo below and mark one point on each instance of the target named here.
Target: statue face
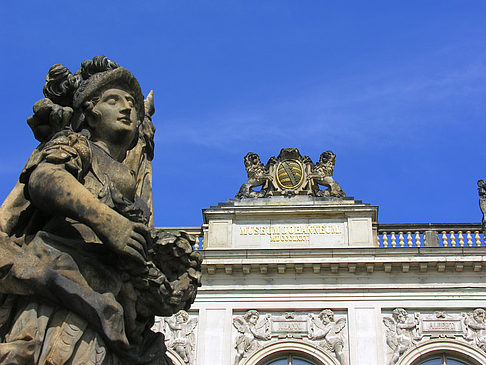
(400, 317)
(479, 315)
(253, 319)
(118, 116)
(181, 318)
(327, 318)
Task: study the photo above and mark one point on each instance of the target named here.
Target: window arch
(443, 352)
(290, 359)
(444, 359)
(297, 351)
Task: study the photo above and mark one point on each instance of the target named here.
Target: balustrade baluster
(401, 239)
(385, 240)
(409, 239)
(393, 240)
(444, 238)
(453, 239)
(417, 239)
(469, 239)
(461, 239)
(478, 238)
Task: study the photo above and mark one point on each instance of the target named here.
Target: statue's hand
(126, 238)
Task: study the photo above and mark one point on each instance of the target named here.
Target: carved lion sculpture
(322, 175)
(258, 175)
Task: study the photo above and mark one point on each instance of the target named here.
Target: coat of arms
(290, 174)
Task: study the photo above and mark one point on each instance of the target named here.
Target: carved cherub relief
(401, 333)
(251, 328)
(476, 327)
(325, 327)
(180, 332)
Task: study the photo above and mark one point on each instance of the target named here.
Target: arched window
(290, 359)
(291, 352)
(444, 359)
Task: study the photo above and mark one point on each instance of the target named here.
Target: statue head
(479, 315)
(251, 316)
(400, 315)
(326, 316)
(181, 316)
(108, 102)
(252, 159)
(327, 156)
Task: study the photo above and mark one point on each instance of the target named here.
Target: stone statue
(324, 327)
(482, 200)
(180, 335)
(290, 174)
(322, 175)
(400, 335)
(251, 329)
(476, 327)
(83, 271)
(258, 175)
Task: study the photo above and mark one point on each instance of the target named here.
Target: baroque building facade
(293, 274)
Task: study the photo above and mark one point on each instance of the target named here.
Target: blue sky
(396, 89)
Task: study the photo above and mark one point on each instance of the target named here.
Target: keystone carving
(290, 174)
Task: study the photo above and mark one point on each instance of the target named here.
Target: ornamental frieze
(255, 330)
(290, 174)
(404, 330)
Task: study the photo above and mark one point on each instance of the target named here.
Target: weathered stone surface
(83, 271)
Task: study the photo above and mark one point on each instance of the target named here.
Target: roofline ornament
(290, 174)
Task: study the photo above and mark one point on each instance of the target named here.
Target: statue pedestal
(295, 222)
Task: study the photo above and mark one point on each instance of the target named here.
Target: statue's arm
(55, 191)
(407, 325)
(476, 326)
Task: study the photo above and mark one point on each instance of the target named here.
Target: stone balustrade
(430, 235)
(401, 235)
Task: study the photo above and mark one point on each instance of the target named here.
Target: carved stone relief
(180, 331)
(254, 330)
(290, 174)
(404, 330)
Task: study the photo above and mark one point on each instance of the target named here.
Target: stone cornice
(295, 207)
(369, 260)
